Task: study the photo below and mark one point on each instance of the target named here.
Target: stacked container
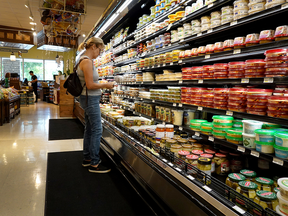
(196, 73)
(277, 106)
(220, 98)
(237, 99)
(254, 68)
(249, 126)
(265, 140)
(240, 9)
(205, 23)
(220, 125)
(256, 6)
(226, 14)
(236, 70)
(215, 19)
(208, 72)
(276, 63)
(196, 26)
(196, 96)
(220, 71)
(208, 98)
(258, 107)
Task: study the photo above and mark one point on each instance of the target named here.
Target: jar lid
(183, 153)
(176, 146)
(223, 117)
(192, 157)
(220, 155)
(171, 141)
(182, 141)
(206, 155)
(197, 152)
(209, 151)
(255, 61)
(160, 126)
(260, 90)
(194, 140)
(248, 173)
(266, 195)
(169, 126)
(187, 146)
(264, 143)
(248, 185)
(236, 176)
(283, 183)
(276, 190)
(266, 132)
(236, 63)
(281, 134)
(264, 181)
(204, 161)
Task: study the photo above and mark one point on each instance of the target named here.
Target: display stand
(2, 112)
(66, 104)
(12, 108)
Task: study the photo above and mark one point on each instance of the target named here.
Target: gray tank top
(93, 92)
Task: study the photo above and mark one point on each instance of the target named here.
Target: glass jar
(222, 165)
(210, 156)
(204, 164)
(265, 184)
(175, 149)
(182, 154)
(266, 199)
(160, 132)
(187, 147)
(197, 152)
(236, 163)
(169, 130)
(192, 159)
(197, 146)
(249, 174)
(182, 142)
(233, 179)
(192, 141)
(247, 189)
(170, 142)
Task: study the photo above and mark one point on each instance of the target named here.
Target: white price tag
(164, 160)
(169, 26)
(209, 31)
(200, 108)
(178, 169)
(180, 128)
(153, 82)
(229, 113)
(200, 81)
(278, 161)
(180, 61)
(158, 65)
(171, 63)
(255, 154)
(152, 66)
(238, 209)
(197, 134)
(153, 101)
(163, 123)
(141, 98)
(199, 34)
(184, 18)
(241, 149)
(180, 81)
(169, 44)
(210, 5)
(134, 113)
(268, 80)
(148, 67)
(182, 40)
(284, 6)
(207, 188)
(180, 105)
(170, 164)
(140, 115)
(152, 119)
(164, 47)
(174, 104)
(233, 23)
(141, 82)
(164, 65)
(207, 56)
(210, 138)
(190, 177)
(237, 51)
(244, 80)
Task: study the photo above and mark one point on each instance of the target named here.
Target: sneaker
(86, 163)
(99, 169)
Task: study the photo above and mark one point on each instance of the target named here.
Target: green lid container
(248, 185)
(206, 130)
(223, 117)
(267, 125)
(248, 173)
(207, 124)
(264, 181)
(281, 148)
(282, 135)
(219, 134)
(223, 124)
(237, 177)
(266, 195)
(220, 129)
(196, 128)
(197, 122)
(281, 129)
(263, 143)
(234, 131)
(265, 132)
(234, 138)
(237, 124)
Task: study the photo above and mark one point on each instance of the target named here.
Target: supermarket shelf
(125, 49)
(129, 61)
(243, 81)
(241, 115)
(214, 140)
(239, 23)
(165, 49)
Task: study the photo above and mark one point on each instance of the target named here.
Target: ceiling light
(34, 33)
(123, 6)
(30, 17)
(33, 23)
(83, 35)
(12, 57)
(26, 4)
(32, 29)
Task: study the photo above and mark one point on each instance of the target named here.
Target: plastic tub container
(255, 63)
(222, 125)
(283, 204)
(251, 39)
(256, 105)
(257, 98)
(197, 122)
(283, 187)
(239, 91)
(277, 114)
(236, 133)
(264, 147)
(249, 140)
(219, 135)
(222, 119)
(177, 117)
(249, 126)
(256, 111)
(278, 100)
(234, 140)
(264, 135)
(281, 152)
(281, 139)
(276, 53)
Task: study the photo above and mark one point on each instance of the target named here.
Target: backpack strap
(85, 57)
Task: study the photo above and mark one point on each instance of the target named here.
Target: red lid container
(255, 63)
(278, 100)
(221, 90)
(277, 114)
(237, 96)
(235, 77)
(256, 105)
(276, 53)
(236, 103)
(221, 77)
(192, 157)
(207, 77)
(221, 103)
(221, 66)
(276, 58)
(284, 69)
(239, 41)
(221, 107)
(277, 62)
(266, 35)
(257, 98)
(207, 68)
(281, 31)
(196, 69)
(186, 69)
(237, 108)
(262, 70)
(259, 91)
(256, 111)
(237, 91)
(279, 73)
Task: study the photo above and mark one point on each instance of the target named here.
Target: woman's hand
(109, 85)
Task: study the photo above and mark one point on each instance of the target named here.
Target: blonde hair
(93, 40)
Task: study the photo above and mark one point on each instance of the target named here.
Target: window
(52, 68)
(34, 65)
(9, 66)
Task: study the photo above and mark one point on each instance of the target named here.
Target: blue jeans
(93, 128)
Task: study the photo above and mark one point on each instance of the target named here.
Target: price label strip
(174, 104)
(170, 164)
(200, 81)
(197, 134)
(207, 56)
(268, 80)
(199, 34)
(210, 31)
(178, 169)
(180, 81)
(200, 108)
(244, 80)
(255, 154)
(233, 23)
(207, 188)
(180, 61)
(171, 63)
(238, 209)
(278, 161)
(241, 149)
(237, 51)
(190, 177)
(230, 113)
(180, 128)
(210, 138)
(180, 105)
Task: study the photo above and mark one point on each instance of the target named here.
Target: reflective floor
(23, 159)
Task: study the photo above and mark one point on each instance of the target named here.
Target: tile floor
(23, 159)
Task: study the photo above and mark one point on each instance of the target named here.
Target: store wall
(11, 66)
(34, 53)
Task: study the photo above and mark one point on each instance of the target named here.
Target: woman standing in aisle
(93, 127)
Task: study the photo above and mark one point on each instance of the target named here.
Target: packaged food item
(204, 164)
(281, 33)
(182, 154)
(276, 53)
(249, 126)
(249, 175)
(247, 189)
(196, 23)
(283, 187)
(227, 10)
(228, 44)
(236, 133)
(251, 64)
(218, 47)
(222, 119)
(233, 180)
(234, 140)
(266, 36)
(239, 4)
(222, 165)
(265, 184)
(281, 152)
(239, 42)
(205, 20)
(227, 18)
(283, 204)
(205, 27)
(209, 49)
(265, 135)
(251, 39)
(238, 14)
(273, 3)
(266, 199)
(281, 138)
(264, 147)
(215, 23)
(192, 159)
(256, 7)
(277, 114)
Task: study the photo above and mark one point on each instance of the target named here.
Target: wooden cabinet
(2, 112)
(66, 104)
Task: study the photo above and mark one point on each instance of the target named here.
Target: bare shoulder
(85, 63)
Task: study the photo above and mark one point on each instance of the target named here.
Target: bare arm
(34, 80)
(87, 67)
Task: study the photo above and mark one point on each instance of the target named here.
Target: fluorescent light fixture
(32, 29)
(12, 57)
(124, 5)
(33, 23)
(26, 6)
(83, 35)
(30, 17)
(114, 16)
(34, 33)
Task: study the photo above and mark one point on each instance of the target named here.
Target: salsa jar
(233, 180)
(222, 165)
(249, 174)
(247, 189)
(266, 199)
(264, 183)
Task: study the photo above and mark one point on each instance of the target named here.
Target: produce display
(7, 93)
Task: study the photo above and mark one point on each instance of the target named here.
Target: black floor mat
(60, 129)
(72, 190)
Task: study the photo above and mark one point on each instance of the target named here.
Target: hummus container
(216, 15)
(222, 119)
(264, 135)
(268, 125)
(234, 140)
(255, 63)
(219, 135)
(283, 187)
(197, 122)
(249, 140)
(237, 124)
(236, 133)
(283, 204)
(205, 20)
(264, 147)
(281, 139)
(228, 10)
(277, 114)
(206, 125)
(250, 126)
(281, 152)
(252, 39)
(222, 125)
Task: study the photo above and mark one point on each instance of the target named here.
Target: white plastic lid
(283, 183)
(160, 126)
(249, 135)
(169, 126)
(278, 211)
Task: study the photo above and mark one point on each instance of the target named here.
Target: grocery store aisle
(23, 159)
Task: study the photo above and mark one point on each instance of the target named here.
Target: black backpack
(73, 84)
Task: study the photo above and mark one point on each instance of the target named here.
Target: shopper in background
(88, 76)
(34, 84)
